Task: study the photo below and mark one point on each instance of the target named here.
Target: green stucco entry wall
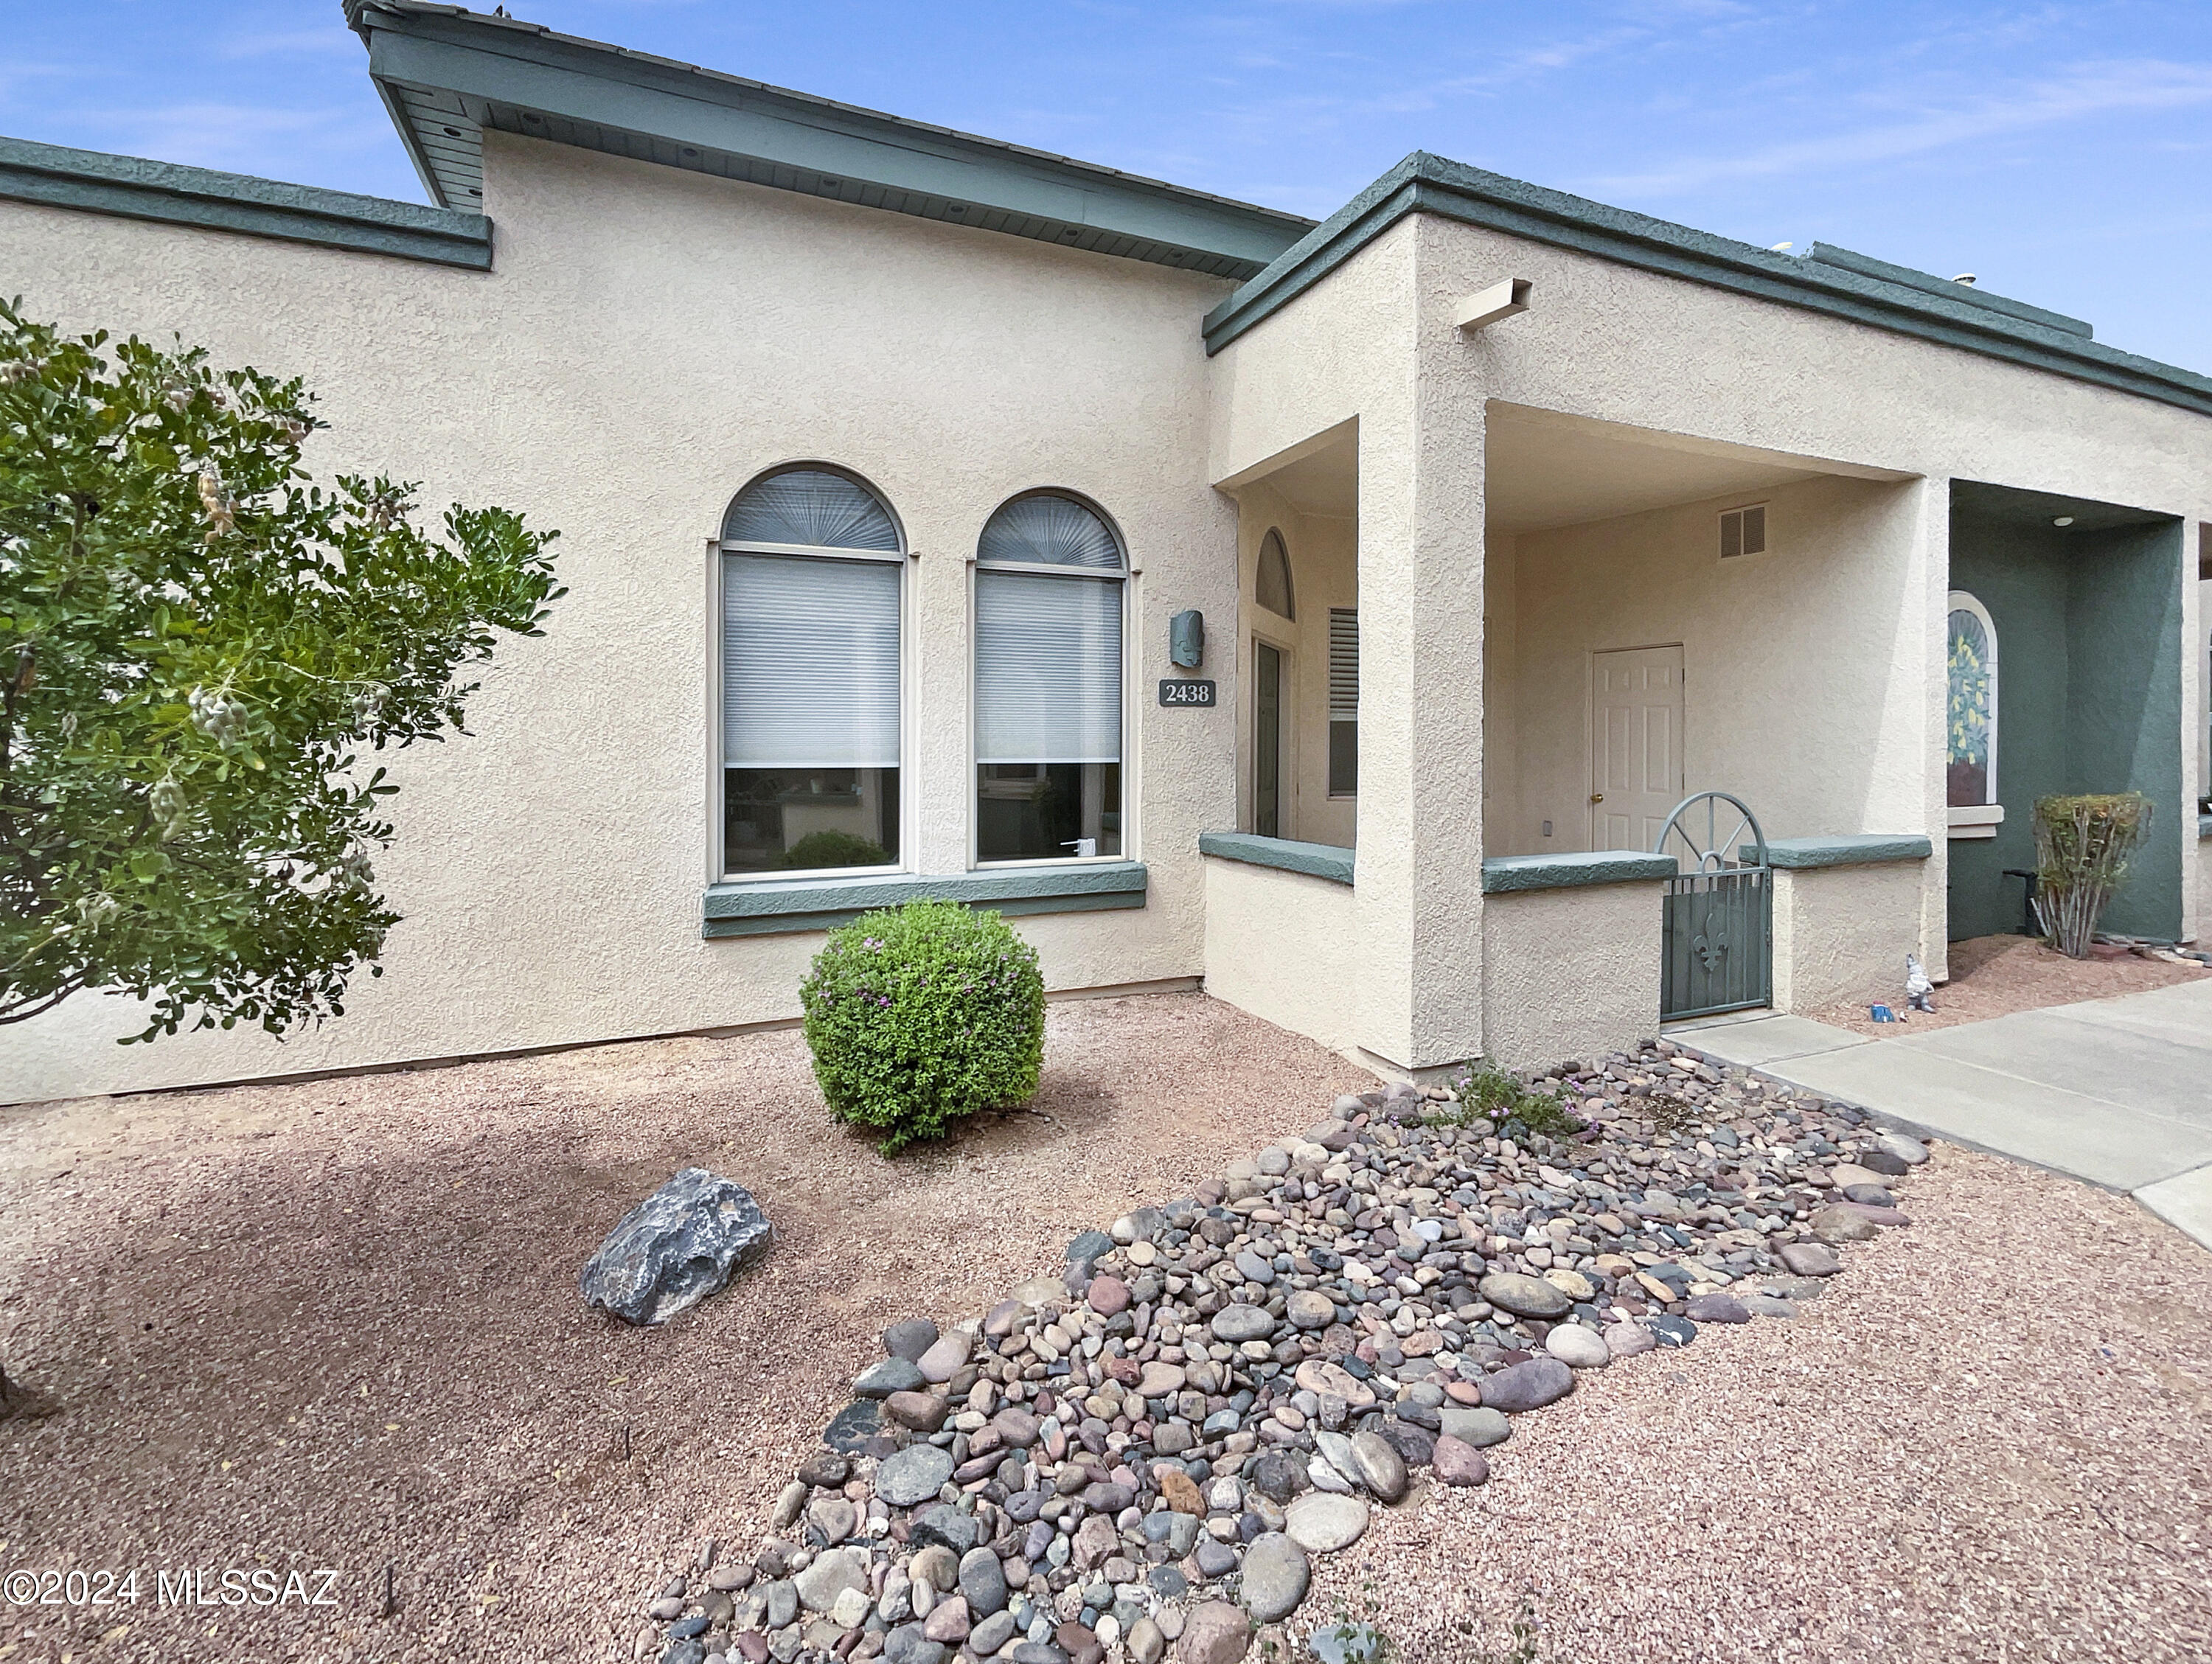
(2088, 626)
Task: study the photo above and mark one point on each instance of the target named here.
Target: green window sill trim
(1855, 849)
(1508, 875)
(787, 907)
(1315, 860)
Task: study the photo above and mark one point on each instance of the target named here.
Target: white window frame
(1127, 578)
(1977, 820)
(902, 558)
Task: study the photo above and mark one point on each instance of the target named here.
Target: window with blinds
(812, 576)
(1343, 701)
(1050, 578)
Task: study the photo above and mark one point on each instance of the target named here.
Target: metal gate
(1718, 922)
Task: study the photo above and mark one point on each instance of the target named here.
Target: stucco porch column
(1419, 890)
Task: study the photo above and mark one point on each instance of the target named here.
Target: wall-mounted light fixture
(1187, 640)
(2063, 519)
(1500, 300)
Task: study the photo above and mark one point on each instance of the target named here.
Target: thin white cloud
(237, 137)
(2093, 90)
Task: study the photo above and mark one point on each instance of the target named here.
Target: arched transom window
(1970, 750)
(1050, 576)
(1272, 584)
(813, 569)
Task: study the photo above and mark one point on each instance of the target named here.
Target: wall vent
(1743, 531)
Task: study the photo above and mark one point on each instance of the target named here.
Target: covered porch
(1644, 616)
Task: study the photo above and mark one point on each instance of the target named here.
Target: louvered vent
(1343, 701)
(1743, 531)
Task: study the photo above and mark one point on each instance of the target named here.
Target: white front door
(1635, 745)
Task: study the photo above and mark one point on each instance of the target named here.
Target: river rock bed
(1145, 1451)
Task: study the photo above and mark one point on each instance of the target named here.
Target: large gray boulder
(677, 1247)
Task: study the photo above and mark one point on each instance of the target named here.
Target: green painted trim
(522, 78)
(1928, 283)
(1506, 874)
(1316, 860)
(779, 907)
(1425, 184)
(1847, 849)
(135, 188)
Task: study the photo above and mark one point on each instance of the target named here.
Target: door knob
(1597, 797)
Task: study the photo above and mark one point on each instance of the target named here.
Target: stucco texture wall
(1841, 932)
(1279, 946)
(1720, 368)
(1324, 568)
(1802, 672)
(649, 340)
(1569, 972)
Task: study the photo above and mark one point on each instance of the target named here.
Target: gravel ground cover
(1988, 1439)
(1991, 1442)
(1155, 1446)
(336, 1324)
(1997, 975)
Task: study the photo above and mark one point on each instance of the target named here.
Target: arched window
(812, 567)
(1272, 586)
(1970, 750)
(1050, 575)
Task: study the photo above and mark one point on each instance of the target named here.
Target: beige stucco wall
(1279, 946)
(650, 339)
(1718, 367)
(1802, 671)
(1368, 348)
(1324, 571)
(1842, 932)
(1569, 972)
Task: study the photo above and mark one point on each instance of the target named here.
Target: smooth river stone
(1716, 1308)
(1322, 1522)
(1577, 1347)
(1457, 1462)
(1479, 1428)
(1530, 1386)
(1276, 1577)
(1524, 1297)
(1810, 1259)
(1234, 1324)
(913, 1475)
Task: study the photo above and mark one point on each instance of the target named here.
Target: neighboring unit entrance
(1635, 745)
(1266, 740)
(1717, 924)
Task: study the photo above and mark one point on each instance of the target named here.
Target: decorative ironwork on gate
(1718, 918)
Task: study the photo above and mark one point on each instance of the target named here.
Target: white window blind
(1047, 668)
(1049, 529)
(1343, 662)
(810, 506)
(810, 663)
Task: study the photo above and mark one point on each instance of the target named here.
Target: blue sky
(2062, 152)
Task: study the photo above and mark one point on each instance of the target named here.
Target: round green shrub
(918, 1014)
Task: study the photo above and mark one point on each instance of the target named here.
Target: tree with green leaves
(198, 647)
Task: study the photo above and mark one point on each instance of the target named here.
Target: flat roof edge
(651, 108)
(1434, 185)
(136, 187)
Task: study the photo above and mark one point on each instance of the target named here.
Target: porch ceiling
(1546, 469)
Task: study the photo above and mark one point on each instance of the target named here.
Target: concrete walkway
(2116, 1091)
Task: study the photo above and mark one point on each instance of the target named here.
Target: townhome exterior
(891, 463)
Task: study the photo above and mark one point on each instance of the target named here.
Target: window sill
(1316, 860)
(1848, 849)
(785, 907)
(1975, 814)
(1506, 874)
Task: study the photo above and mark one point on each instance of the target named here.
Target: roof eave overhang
(447, 75)
(1425, 184)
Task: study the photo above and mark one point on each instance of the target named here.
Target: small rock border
(1148, 1450)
